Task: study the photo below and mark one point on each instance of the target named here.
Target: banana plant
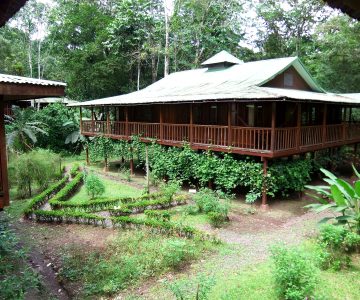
(339, 197)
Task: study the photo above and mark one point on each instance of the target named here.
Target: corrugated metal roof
(26, 80)
(354, 96)
(222, 57)
(63, 100)
(239, 82)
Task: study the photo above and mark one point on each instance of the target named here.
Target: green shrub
(295, 274)
(94, 186)
(177, 252)
(216, 219)
(169, 189)
(38, 167)
(335, 245)
(214, 203)
(68, 217)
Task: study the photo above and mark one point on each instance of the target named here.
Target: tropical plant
(23, 130)
(339, 197)
(94, 186)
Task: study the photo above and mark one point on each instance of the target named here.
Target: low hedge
(68, 217)
(164, 227)
(141, 206)
(39, 200)
(66, 192)
(161, 215)
(90, 206)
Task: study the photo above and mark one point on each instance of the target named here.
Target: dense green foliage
(15, 275)
(94, 186)
(340, 197)
(336, 244)
(295, 275)
(130, 257)
(68, 190)
(35, 168)
(125, 44)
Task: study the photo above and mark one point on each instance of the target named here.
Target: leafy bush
(38, 167)
(214, 203)
(339, 197)
(336, 243)
(68, 217)
(176, 252)
(295, 274)
(169, 189)
(94, 186)
(216, 219)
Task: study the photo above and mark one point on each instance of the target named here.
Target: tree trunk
(153, 67)
(87, 155)
(30, 57)
(106, 167)
(138, 73)
(39, 59)
(167, 37)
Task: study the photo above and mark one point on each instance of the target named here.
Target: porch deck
(255, 141)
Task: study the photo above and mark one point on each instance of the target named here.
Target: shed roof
(238, 82)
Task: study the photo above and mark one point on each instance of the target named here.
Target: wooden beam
(92, 120)
(273, 126)
(108, 128)
(4, 188)
(28, 91)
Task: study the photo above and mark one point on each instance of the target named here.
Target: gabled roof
(222, 57)
(238, 82)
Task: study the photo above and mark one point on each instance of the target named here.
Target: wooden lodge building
(270, 108)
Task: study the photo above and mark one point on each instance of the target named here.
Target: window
(288, 80)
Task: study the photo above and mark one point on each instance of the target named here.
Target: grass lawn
(113, 189)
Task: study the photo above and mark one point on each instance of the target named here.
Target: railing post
(81, 122)
(191, 125)
(298, 127)
(229, 126)
(324, 124)
(273, 125)
(161, 124)
(126, 121)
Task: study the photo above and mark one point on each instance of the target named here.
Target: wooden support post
(191, 137)
(92, 120)
(81, 124)
(344, 124)
(324, 124)
(229, 126)
(273, 125)
(264, 205)
(298, 127)
(127, 122)
(108, 125)
(87, 155)
(131, 162)
(4, 187)
(161, 124)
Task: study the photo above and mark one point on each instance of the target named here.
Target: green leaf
(356, 172)
(328, 174)
(338, 196)
(324, 220)
(357, 188)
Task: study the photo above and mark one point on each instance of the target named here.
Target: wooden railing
(256, 139)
